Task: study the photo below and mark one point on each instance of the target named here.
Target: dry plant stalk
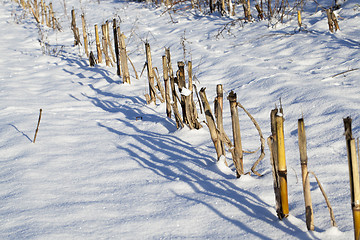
(50, 15)
(304, 172)
(116, 46)
(180, 74)
(186, 102)
(193, 111)
(194, 114)
(353, 175)
(153, 88)
(105, 45)
(190, 84)
(332, 20)
(42, 11)
(85, 35)
(260, 11)
(218, 106)
(299, 18)
(274, 159)
(46, 16)
(211, 124)
(150, 74)
(276, 181)
(37, 127)
(167, 86)
(37, 12)
(247, 10)
(73, 28)
(237, 153)
(198, 98)
(36, 16)
(92, 59)
(52, 18)
(173, 90)
(159, 87)
(212, 6)
(98, 46)
(123, 59)
(262, 141)
(158, 84)
(131, 63)
(335, 21)
(332, 217)
(109, 41)
(338, 74)
(270, 10)
(179, 122)
(222, 6)
(186, 99)
(282, 171)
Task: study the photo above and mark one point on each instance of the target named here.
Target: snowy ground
(106, 165)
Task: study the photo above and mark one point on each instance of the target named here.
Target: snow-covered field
(106, 165)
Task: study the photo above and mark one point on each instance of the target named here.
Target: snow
(106, 165)
(185, 92)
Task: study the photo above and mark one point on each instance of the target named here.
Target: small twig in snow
(354, 69)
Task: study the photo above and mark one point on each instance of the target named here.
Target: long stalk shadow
(82, 64)
(181, 164)
(20, 132)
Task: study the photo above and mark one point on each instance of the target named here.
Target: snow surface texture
(106, 165)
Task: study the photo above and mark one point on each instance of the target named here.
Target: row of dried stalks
(112, 50)
(273, 10)
(180, 89)
(42, 13)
